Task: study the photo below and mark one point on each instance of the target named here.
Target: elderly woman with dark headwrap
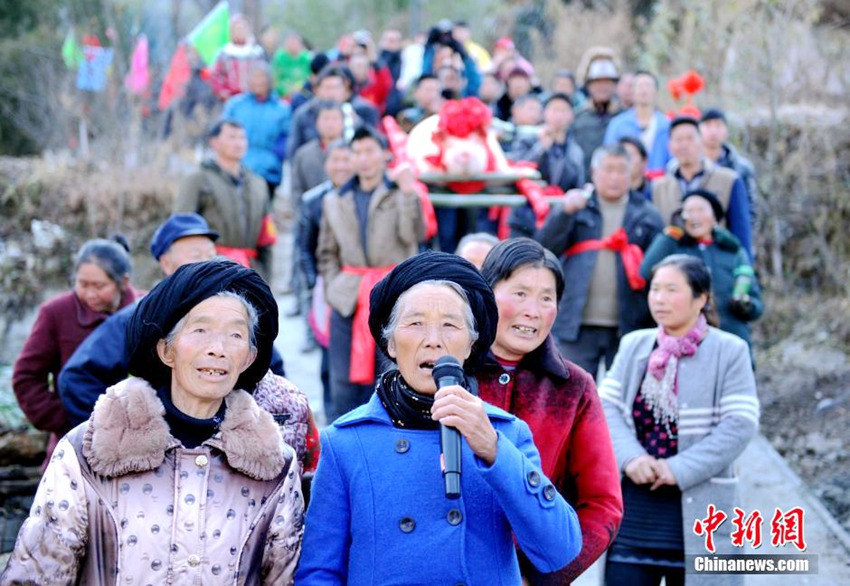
(379, 512)
(178, 476)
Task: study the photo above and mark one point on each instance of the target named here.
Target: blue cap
(179, 226)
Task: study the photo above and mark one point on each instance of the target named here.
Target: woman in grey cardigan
(681, 405)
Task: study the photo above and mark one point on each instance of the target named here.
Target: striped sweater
(718, 415)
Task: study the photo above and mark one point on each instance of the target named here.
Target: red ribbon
(268, 232)
(631, 254)
(398, 144)
(243, 256)
(361, 369)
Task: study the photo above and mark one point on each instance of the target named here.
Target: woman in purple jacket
(100, 286)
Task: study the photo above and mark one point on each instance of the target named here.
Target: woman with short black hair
(525, 374)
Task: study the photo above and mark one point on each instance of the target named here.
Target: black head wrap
(716, 206)
(430, 266)
(167, 303)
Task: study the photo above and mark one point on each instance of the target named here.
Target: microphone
(448, 371)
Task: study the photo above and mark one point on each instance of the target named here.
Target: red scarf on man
(631, 254)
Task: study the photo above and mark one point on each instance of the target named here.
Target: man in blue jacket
(645, 122)
(102, 360)
(266, 120)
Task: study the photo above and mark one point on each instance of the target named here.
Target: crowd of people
(182, 452)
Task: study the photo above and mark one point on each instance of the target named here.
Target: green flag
(212, 33)
(72, 54)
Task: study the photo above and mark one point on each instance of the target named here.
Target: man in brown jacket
(233, 200)
(369, 225)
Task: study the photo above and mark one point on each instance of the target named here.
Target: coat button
(407, 524)
(549, 492)
(194, 560)
(454, 517)
(201, 461)
(533, 478)
(504, 378)
(402, 446)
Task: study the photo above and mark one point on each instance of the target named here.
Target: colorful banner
(212, 33)
(94, 68)
(72, 54)
(176, 79)
(138, 77)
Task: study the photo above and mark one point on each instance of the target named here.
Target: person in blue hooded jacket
(379, 512)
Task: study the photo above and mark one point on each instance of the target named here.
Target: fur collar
(127, 433)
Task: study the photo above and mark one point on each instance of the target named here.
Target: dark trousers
(272, 188)
(617, 573)
(325, 375)
(345, 395)
(593, 344)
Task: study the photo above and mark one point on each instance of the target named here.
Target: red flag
(177, 78)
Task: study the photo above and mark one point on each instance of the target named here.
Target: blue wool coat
(379, 514)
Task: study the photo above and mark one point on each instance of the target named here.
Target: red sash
(361, 368)
(631, 254)
(243, 256)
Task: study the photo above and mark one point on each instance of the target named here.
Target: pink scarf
(660, 388)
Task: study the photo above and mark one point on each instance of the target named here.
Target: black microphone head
(447, 366)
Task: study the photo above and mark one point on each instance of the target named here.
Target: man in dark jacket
(308, 165)
(715, 134)
(339, 170)
(601, 236)
(593, 117)
(102, 359)
(335, 83)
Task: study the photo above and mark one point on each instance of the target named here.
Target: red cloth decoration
(464, 117)
(268, 232)
(689, 110)
(686, 86)
(177, 78)
(692, 82)
(674, 86)
(536, 197)
(243, 256)
(398, 145)
(361, 370)
(630, 254)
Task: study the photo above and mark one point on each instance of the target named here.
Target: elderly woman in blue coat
(379, 512)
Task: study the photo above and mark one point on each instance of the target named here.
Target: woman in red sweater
(101, 286)
(526, 375)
